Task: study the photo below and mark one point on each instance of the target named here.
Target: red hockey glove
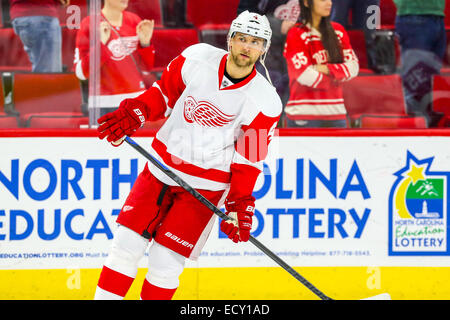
(130, 116)
(241, 212)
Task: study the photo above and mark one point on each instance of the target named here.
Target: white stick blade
(382, 296)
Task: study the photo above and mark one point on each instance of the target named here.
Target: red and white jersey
(119, 76)
(217, 133)
(314, 95)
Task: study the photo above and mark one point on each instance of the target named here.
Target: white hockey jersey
(217, 133)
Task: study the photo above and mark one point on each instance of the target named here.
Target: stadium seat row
(168, 43)
(54, 101)
(210, 20)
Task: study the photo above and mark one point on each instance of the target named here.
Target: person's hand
(286, 25)
(130, 116)
(65, 3)
(144, 30)
(241, 212)
(105, 31)
(323, 68)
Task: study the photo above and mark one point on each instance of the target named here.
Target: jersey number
(299, 59)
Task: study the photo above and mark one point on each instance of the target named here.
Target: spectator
(36, 23)
(362, 19)
(420, 28)
(122, 35)
(282, 15)
(319, 58)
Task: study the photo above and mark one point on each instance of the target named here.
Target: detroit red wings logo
(122, 47)
(204, 113)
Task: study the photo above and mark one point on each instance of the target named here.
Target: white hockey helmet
(253, 24)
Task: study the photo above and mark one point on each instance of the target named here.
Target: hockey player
(215, 102)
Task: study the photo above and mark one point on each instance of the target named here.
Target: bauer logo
(418, 210)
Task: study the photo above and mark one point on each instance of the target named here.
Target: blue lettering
(337, 220)
(332, 224)
(360, 186)
(65, 181)
(97, 166)
(118, 178)
(14, 214)
(360, 223)
(315, 173)
(260, 227)
(258, 194)
(300, 178)
(68, 224)
(56, 222)
(296, 221)
(279, 192)
(2, 214)
(276, 220)
(100, 219)
(46, 165)
(13, 184)
(313, 223)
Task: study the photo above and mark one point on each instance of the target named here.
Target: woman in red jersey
(125, 51)
(319, 58)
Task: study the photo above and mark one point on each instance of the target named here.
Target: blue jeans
(424, 32)
(41, 38)
(422, 40)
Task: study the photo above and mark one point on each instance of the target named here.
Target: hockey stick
(222, 215)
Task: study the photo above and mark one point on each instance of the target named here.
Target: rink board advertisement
(321, 201)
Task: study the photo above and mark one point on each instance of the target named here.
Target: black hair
(330, 40)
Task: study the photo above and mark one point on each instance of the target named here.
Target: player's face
(246, 49)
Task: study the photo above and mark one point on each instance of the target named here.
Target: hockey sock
(164, 268)
(112, 285)
(152, 292)
(121, 266)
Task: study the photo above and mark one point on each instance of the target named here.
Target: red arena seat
(388, 12)
(12, 55)
(204, 12)
(441, 98)
(40, 93)
(69, 37)
(374, 94)
(169, 43)
(358, 43)
(147, 9)
(8, 122)
(447, 14)
(57, 120)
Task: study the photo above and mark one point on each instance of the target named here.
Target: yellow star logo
(416, 174)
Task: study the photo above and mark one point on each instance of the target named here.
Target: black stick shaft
(222, 215)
